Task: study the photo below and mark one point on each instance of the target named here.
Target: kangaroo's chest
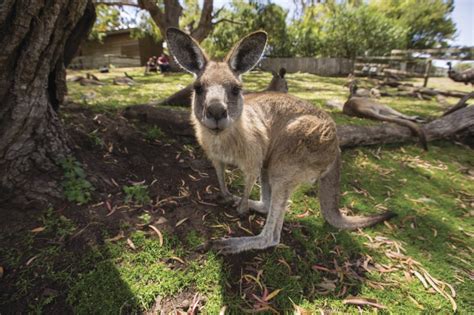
(229, 150)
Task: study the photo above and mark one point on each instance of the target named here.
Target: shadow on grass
(44, 270)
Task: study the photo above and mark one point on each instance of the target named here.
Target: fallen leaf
(421, 278)
(2, 271)
(38, 229)
(363, 301)
(31, 260)
(244, 229)
(272, 295)
(181, 222)
(116, 238)
(130, 243)
(160, 236)
(177, 259)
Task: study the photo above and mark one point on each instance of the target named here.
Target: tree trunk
(38, 39)
(177, 121)
(170, 14)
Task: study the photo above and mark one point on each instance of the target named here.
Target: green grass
(430, 191)
(75, 185)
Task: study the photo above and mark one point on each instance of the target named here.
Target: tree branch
(155, 12)
(205, 22)
(118, 2)
(462, 103)
(228, 21)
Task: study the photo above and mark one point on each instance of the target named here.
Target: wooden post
(427, 72)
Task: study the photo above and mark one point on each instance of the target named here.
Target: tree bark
(38, 39)
(177, 121)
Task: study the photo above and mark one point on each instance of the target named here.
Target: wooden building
(117, 48)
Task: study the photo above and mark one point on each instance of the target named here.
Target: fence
(319, 66)
(94, 62)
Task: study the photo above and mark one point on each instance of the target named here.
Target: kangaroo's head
(217, 100)
(278, 82)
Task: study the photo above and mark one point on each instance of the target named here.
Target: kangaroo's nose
(216, 111)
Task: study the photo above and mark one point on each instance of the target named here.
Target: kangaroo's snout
(216, 111)
(216, 116)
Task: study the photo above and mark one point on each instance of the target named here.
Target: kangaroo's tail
(329, 201)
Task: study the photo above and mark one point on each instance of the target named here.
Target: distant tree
(108, 18)
(428, 22)
(351, 31)
(244, 17)
(345, 29)
(306, 32)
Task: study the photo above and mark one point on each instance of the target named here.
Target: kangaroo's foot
(239, 244)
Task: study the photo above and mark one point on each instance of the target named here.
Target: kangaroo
(364, 107)
(278, 82)
(125, 80)
(275, 136)
(356, 91)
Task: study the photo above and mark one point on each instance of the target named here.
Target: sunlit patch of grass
(145, 273)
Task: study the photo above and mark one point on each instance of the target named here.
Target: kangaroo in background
(183, 96)
(365, 107)
(281, 139)
(278, 82)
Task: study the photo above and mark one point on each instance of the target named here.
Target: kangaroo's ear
(247, 52)
(282, 72)
(186, 51)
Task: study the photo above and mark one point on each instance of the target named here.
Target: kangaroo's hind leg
(386, 110)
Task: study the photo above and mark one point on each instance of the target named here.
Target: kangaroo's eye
(198, 89)
(235, 90)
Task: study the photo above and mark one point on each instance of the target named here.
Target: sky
(462, 16)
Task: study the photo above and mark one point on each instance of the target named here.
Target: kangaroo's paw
(255, 205)
(258, 206)
(243, 207)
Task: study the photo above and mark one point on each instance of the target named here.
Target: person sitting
(164, 63)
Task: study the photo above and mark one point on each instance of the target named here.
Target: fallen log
(414, 91)
(171, 120)
(445, 127)
(462, 103)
